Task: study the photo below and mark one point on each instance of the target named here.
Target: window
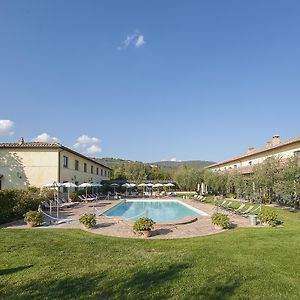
(76, 165)
(297, 153)
(101, 172)
(66, 161)
(92, 169)
(250, 163)
(105, 173)
(85, 167)
(235, 166)
(97, 171)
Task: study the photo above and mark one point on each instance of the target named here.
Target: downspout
(59, 165)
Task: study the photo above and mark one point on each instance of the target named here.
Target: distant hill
(114, 162)
(188, 163)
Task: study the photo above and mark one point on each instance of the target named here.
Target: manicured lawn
(72, 264)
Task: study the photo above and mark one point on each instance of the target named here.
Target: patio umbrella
(69, 185)
(127, 186)
(169, 185)
(114, 185)
(85, 185)
(143, 185)
(157, 185)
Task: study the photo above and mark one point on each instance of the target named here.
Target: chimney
(269, 144)
(276, 140)
(21, 141)
(250, 149)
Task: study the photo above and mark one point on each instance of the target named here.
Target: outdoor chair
(246, 211)
(236, 211)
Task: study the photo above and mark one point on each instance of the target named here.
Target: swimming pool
(157, 210)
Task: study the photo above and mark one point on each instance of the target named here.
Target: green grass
(68, 264)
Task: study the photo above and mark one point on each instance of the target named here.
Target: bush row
(15, 203)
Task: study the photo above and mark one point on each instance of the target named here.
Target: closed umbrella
(53, 185)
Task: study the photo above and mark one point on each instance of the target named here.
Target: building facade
(35, 163)
(245, 163)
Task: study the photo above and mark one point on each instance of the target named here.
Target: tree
(287, 185)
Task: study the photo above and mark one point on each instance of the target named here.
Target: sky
(150, 80)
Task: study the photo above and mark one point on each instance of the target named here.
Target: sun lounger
(227, 206)
(254, 211)
(246, 211)
(236, 211)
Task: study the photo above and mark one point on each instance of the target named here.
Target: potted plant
(88, 220)
(268, 218)
(220, 221)
(33, 218)
(143, 226)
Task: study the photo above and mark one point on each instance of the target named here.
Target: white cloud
(6, 127)
(140, 41)
(88, 144)
(46, 138)
(135, 38)
(93, 149)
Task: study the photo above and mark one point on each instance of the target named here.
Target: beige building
(246, 162)
(36, 163)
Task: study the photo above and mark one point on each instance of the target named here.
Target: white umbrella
(157, 185)
(85, 185)
(52, 185)
(143, 185)
(127, 186)
(114, 185)
(69, 185)
(132, 185)
(169, 184)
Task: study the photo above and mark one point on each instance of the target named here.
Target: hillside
(187, 163)
(115, 162)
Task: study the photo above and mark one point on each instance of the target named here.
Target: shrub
(266, 200)
(33, 218)
(88, 220)
(220, 220)
(231, 196)
(268, 217)
(73, 196)
(143, 224)
(15, 203)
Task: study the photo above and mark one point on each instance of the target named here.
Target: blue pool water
(159, 211)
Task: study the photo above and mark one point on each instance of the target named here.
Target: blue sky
(150, 80)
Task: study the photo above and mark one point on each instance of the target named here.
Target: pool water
(159, 211)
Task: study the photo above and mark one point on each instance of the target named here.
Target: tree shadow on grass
(136, 285)
(14, 270)
(218, 288)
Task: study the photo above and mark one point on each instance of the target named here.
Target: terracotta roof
(30, 145)
(257, 151)
(47, 146)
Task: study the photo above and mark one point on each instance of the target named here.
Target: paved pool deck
(121, 227)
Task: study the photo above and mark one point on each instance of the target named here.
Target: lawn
(73, 264)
